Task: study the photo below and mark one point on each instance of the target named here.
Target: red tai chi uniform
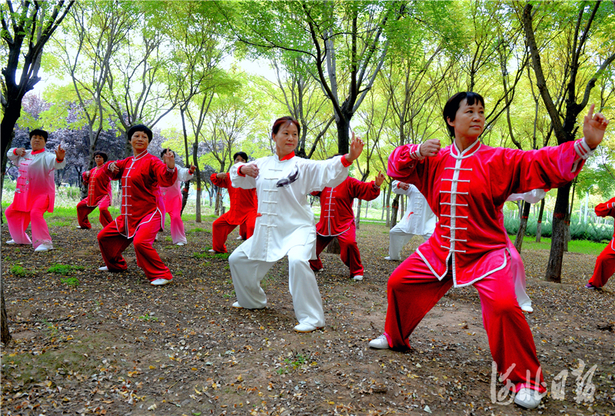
(99, 195)
(466, 190)
(142, 215)
(337, 220)
(242, 212)
(605, 263)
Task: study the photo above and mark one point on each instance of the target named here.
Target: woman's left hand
(594, 126)
(379, 179)
(356, 148)
(60, 153)
(169, 159)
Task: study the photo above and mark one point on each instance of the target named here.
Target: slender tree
(574, 101)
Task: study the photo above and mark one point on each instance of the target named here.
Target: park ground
(89, 342)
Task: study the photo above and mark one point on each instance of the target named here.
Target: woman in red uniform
(466, 185)
(605, 263)
(242, 211)
(99, 193)
(142, 213)
(337, 220)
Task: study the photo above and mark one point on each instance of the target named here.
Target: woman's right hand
(113, 167)
(430, 148)
(249, 170)
(20, 151)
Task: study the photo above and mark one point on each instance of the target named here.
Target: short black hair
(39, 132)
(140, 127)
(452, 105)
(102, 154)
(244, 156)
(164, 151)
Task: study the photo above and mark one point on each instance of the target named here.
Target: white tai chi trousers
(247, 275)
(398, 238)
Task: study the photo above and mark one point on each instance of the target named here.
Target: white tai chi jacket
(284, 218)
(418, 219)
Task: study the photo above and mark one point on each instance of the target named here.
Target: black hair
(102, 154)
(39, 132)
(140, 127)
(164, 151)
(243, 155)
(452, 105)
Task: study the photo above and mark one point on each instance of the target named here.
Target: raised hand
(356, 148)
(169, 159)
(594, 126)
(249, 170)
(60, 152)
(430, 148)
(379, 179)
(404, 186)
(20, 151)
(192, 169)
(113, 167)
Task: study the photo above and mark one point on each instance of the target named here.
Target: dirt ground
(89, 342)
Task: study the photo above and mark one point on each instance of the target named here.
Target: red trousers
(221, 228)
(103, 209)
(413, 290)
(18, 222)
(605, 266)
(349, 251)
(112, 245)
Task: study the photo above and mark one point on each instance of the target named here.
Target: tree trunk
(358, 216)
(198, 195)
(539, 222)
(334, 247)
(522, 226)
(394, 211)
(388, 206)
(5, 335)
(558, 238)
(185, 191)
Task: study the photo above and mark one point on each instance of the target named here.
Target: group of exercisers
(455, 198)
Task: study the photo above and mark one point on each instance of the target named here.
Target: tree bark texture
(522, 226)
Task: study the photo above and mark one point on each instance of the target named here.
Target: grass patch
(63, 269)
(18, 270)
(148, 317)
(70, 281)
(196, 230)
(207, 255)
(574, 246)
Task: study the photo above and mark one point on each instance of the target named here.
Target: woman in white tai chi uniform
(284, 222)
(418, 219)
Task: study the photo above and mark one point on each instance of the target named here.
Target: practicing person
(99, 193)
(285, 223)
(142, 209)
(172, 198)
(35, 191)
(242, 211)
(337, 220)
(466, 185)
(517, 269)
(418, 219)
(605, 262)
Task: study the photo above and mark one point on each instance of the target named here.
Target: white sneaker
(305, 328)
(44, 247)
(11, 242)
(180, 244)
(161, 282)
(358, 277)
(239, 238)
(211, 250)
(237, 305)
(380, 343)
(527, 307)
(103, 269)
(528, 398)
(390, 259)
